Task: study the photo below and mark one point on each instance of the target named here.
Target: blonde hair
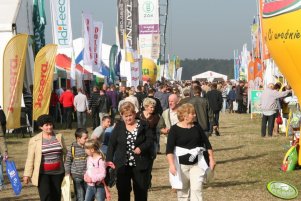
(185, 109)
(94, 144)
(127, 107)
(149, 101)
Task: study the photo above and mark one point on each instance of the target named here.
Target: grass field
(246, 162)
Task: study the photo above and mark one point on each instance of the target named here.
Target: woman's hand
(137, 151)
(173, 170)
(212, 164)
(110, 164)
(26, 180)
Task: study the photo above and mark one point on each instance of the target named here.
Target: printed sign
(255, 101)
(282, 190)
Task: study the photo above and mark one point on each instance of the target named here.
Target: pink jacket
(96, 170)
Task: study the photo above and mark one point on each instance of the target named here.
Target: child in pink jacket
(96, 172)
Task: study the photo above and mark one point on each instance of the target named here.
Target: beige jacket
(34, 156)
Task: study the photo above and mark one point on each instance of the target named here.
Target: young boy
(98, 133)
(75, 164)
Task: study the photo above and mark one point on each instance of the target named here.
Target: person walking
(215, 100)
(67, 99)
(185, 154)
(44, 165)
(203, 111)
(104, 105)
(130, 149)
(81, 107)
(169, 116)
(268, 105)
(94, 107)
(75, 163)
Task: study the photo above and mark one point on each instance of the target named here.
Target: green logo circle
(148, 7)
(282, 190)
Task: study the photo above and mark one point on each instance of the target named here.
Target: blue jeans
(80, 188)
(97, 192)
(81, 119)
(1, 172)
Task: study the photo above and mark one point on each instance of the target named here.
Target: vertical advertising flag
(13, 69)
(128, 22)
(39, 21)
(97, 44)
(61, 23)
(88, 40)
(43, 78)
(149, 29)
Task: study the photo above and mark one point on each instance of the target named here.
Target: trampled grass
(246, 162)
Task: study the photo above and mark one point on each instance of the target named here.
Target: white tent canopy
(210, 76)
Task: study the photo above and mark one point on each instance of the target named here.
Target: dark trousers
(3, 129)
(50, 187)
(95, 118)
(125, 175)
(240, 108)
(215, 121)
(270, 120)
(68, 113)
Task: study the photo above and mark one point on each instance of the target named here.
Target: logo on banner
(61, 23)
(148, 8)
(43, 81)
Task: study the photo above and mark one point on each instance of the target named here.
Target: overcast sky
(196, 28)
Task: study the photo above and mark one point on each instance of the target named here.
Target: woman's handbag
(279, 120)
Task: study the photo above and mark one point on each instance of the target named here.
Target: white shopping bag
(66, 188)
(235, 106)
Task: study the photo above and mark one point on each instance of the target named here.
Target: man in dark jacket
(140, 95)
(104, 105)
(215, 99)
(94, 108)
(204, 114)
(239, 96)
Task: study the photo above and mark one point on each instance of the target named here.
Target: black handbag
(111, 177)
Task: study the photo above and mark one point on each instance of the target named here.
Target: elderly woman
(44, 163)
(152, 119)
(130, 148)
(185, 145)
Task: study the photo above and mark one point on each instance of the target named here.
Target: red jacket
(67, 99)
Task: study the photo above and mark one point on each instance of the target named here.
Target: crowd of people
(128, 124)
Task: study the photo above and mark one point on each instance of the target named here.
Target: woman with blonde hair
(185, 146)
(130, 149)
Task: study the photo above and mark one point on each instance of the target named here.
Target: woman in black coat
(130, 149)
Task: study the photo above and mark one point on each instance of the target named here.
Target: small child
(75, 164)
(96, 172)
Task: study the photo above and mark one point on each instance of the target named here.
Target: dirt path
(245, 164)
